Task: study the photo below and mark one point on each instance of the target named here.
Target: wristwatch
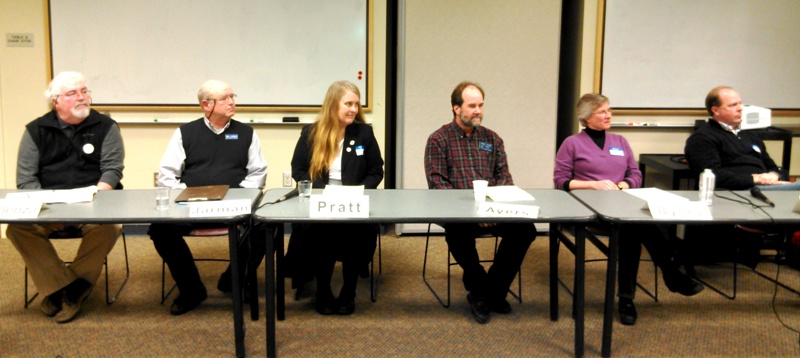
(619, 186)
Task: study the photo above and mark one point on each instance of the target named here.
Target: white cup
(162, 198)
(304, 188)
(479, 187)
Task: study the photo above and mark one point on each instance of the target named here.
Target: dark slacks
(631, 239)
(494, 284)
(315, 248)
(171, 246)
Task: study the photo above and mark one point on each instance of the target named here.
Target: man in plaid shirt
(455, 155)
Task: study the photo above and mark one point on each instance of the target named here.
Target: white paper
(508, 193)
(679, 210)
(343, 190)
(20, 209)
(78, 195)
(655, 194)
(491, 209)
(219, 208)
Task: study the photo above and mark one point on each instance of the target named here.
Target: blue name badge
(617, 152)
(232, 136)
(757, 149)
(485, 146)
(359, 150)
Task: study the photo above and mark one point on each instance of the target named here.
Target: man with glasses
(213, 150)
(71, 146)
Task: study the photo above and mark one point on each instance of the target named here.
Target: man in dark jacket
(72, 146)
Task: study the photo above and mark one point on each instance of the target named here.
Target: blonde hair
(323, 137)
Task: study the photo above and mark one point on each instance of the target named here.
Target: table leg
(554, 246)
(579, 298)
(238, 320)
(280, 290)
(269, 267)
(611, 276)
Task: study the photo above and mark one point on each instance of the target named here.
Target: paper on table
(343, 190)
(508, 193)
(654, 194)
(77, 195)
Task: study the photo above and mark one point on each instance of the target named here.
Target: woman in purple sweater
(597, 160)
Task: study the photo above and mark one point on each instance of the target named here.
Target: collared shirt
(729, 128)
(453, 159)
(172, 163)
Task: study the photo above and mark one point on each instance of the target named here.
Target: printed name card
(19, 209)
(337, 206)
(503, 210)
(679, 210)
(221, 208)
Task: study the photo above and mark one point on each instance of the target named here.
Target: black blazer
(357, 168)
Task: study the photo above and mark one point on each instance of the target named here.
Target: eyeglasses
(229, 98)
(75, 93)
(603, 112)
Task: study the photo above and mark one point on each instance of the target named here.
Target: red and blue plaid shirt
(453, 160)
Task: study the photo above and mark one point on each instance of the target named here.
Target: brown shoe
(51, 305)
(74, 296)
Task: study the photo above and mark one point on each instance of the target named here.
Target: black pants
(492, 285)
(631, 239)
(171, 246)
(315, 248)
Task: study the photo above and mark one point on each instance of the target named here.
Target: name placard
(680, 210)
(219, 208)
(19, 209)
(324, 206)
(502, 210)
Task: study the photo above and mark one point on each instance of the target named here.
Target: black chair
(450, 262)
(72, 233)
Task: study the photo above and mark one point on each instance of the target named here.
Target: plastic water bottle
(707, 179)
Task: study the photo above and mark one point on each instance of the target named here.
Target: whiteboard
(280, 53)
(669, 54)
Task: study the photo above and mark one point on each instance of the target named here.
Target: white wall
(511, 49)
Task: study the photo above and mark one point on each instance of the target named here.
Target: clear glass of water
(162, 198)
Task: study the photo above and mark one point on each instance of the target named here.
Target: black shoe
(346, 308)
(224, 284)
(184, 303)
(479, 309)
(500, 306)
(680, 283)
(627, 312)
(324, 306)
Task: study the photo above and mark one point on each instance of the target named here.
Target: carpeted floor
(406, 320)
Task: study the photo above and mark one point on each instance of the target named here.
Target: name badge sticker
(757, 149)
(485, 146)
(617, 152)
(359, 150)
(232, 136)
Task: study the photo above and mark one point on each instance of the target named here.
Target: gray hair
(587, 104)
(211, 88)
(61, 81)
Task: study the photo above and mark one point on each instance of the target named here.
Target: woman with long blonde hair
(339, 148)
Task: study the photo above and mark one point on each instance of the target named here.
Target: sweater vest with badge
(68, 163)
(215, 159)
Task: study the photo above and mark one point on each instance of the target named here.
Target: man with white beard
(72, 146)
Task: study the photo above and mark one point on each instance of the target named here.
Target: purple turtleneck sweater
(581, 158)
